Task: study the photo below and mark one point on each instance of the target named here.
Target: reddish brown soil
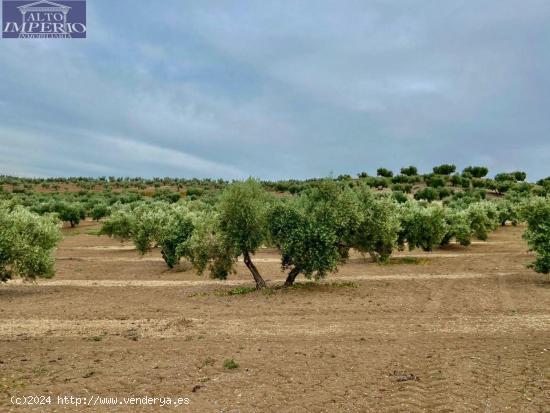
(459, 329)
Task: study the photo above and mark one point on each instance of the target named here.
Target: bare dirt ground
(459, 329)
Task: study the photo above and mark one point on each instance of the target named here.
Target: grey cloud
(280, 90)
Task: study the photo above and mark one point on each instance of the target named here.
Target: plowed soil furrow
(456, 330)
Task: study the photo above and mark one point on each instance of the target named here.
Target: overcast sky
(281, 89)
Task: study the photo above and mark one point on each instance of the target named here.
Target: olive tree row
(314, 230)
(152, 225)
(427, 226)
(537, 234)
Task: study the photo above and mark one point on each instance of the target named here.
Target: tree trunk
(260, 283)
(165, 258)
(292, 276)
(373, 257)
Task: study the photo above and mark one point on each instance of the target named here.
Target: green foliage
(120, 224)
(519, 176)
(435, 181)
(100, 211)
(242, 221)
(300, 239)
(466, 183)
(150, 225)
(379, 226)
(235, 291)
(230, 364)
(399, 196)
(422, 226)
(206, 249)
(508, 211)
(501, 186)
(314, 232)
(456, 180)
(537, 234)
(458, 227)
(69, 212)
(427, 194)
(242, 213)
(407, 188)
(404, 179)
(27, 241)
(483, 217)
(409, 171)
(516, 176)
(178, 229)
(476, 171)
(314, 223)
(444, 192)
(306, 245)
(376, 182)
(386, 173)
(445, 169)
(479, 183)
(165, 194)
(194, 192)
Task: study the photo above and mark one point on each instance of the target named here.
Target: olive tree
(153, 225)
(428, 194)
(27, 242)
(384, 172)
(315, 231)
(422, 226)
(242, 221)
(205, 248)
(445, 169)
(508, 211)
(379, 225)
(537, 234)
(307, 246)
(98, 211)
(120, 223)
(178, 229)
(165, 226)
(409, 171)
(458, 227)
(72, 213)
(483, 217)
(476, 171)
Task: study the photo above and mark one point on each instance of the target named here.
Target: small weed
(93, 231)
(230, 364)
(407, 260)
(234, 291)
(311, 285)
